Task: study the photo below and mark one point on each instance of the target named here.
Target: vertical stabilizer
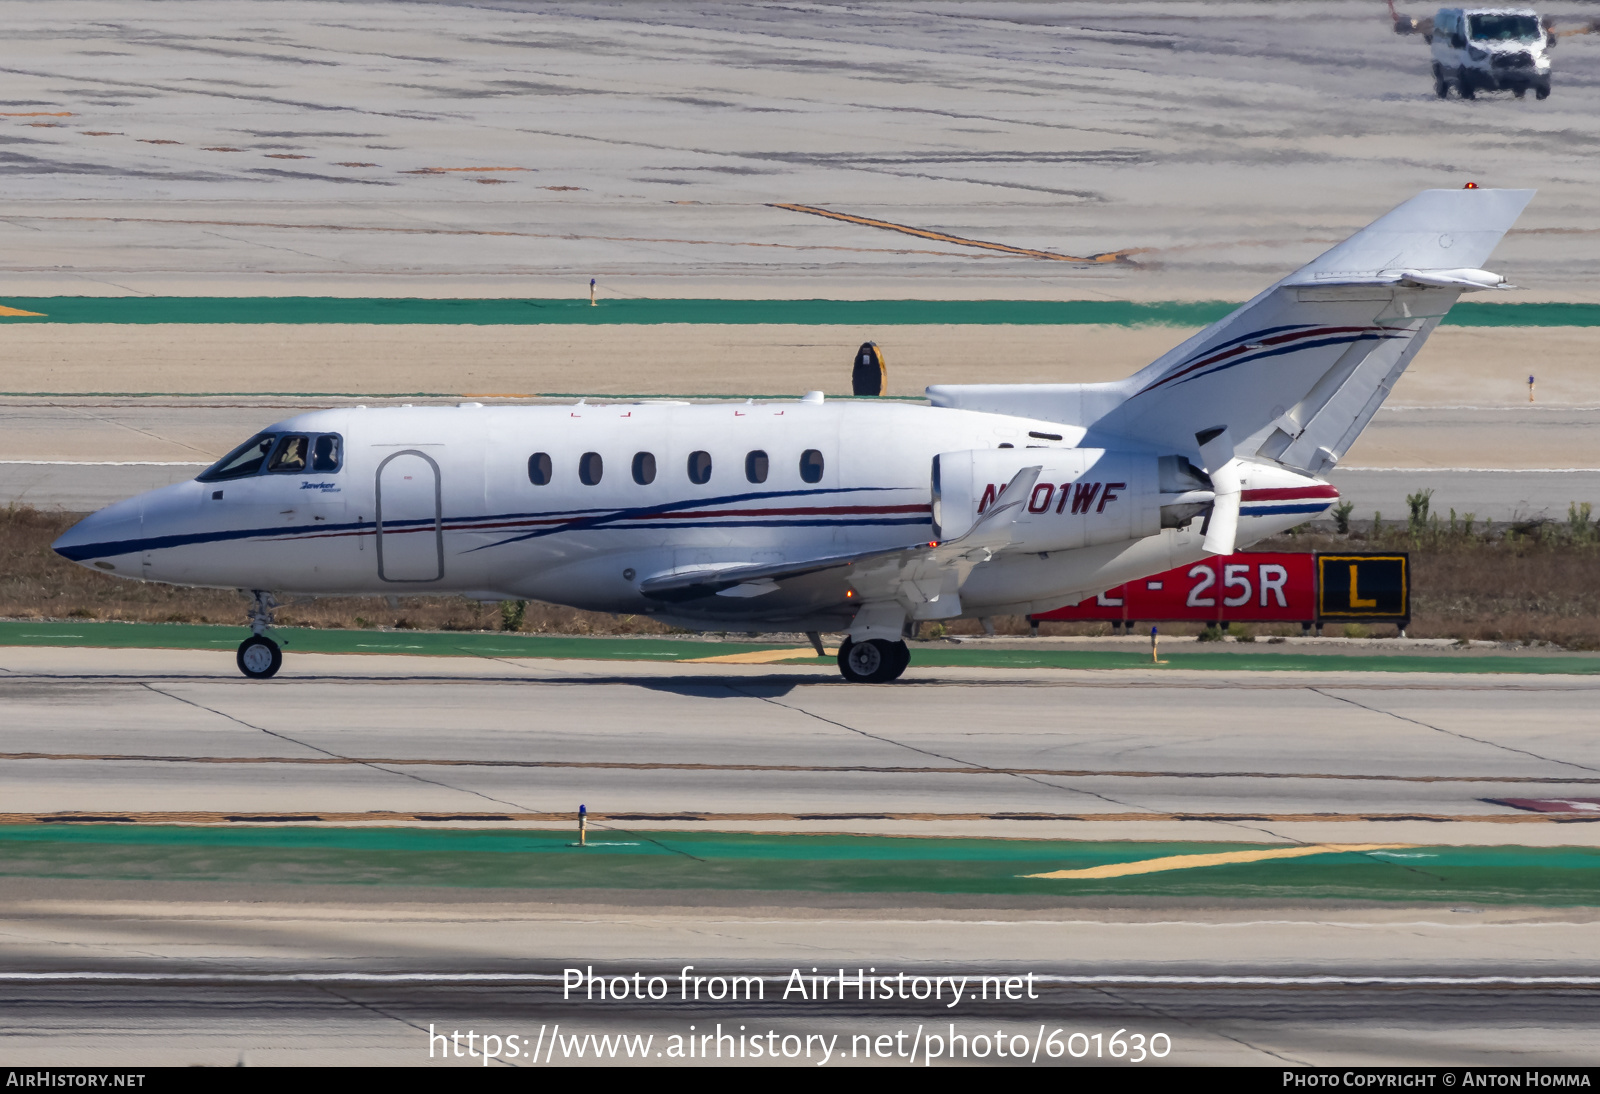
(1296, 374)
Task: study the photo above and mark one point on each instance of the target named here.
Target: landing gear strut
(259, 656)
(875, 661)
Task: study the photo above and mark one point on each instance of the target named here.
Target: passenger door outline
(438, 518)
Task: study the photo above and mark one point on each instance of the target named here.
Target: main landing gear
(259, 656)
(875, 661)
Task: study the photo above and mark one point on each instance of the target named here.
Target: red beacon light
(1470, 186)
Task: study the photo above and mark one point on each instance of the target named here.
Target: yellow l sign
(1356, 601)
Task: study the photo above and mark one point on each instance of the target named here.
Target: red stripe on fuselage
(1291, 493)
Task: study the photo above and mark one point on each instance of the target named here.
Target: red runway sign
(1245, 588)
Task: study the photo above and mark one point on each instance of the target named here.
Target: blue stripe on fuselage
(572, 520)
(1271, 510)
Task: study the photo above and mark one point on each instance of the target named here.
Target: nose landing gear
(260, 657)
(874, 661)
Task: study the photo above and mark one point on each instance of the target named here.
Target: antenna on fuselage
(869, 376)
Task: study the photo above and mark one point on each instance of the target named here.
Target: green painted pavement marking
(190, 636)
(506, 312)
(720, 860)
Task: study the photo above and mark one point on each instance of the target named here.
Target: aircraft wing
(914, 574)
(730, 580)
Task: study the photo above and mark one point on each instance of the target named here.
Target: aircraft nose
(107, 538)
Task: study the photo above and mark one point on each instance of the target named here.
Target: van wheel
(1542, 92)
(1519, 92)
(1441, 86)
(1465, 86)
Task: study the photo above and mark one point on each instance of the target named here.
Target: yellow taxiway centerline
(757, 657)
(1222, 858)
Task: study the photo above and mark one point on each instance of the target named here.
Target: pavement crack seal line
(569, 236)
(327, 989)
(807, 769)
(1454, 733)
(1238, 823)
(326, 752)
(87, 412)
(1161, 1012)
(597, 822)
(1248, 824)
(942, 237)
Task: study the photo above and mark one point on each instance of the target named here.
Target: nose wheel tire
(259, 657)
(874, 661)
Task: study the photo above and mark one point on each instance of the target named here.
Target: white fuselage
(430, 500)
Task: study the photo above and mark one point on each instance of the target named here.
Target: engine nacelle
(1083, 496)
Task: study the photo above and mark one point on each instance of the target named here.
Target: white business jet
(824, 515)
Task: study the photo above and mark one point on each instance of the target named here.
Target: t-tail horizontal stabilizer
(1296, 373)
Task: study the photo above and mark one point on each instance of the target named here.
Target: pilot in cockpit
(291, 455)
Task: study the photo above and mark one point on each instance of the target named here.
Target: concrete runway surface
(183, 972)
(1086, 755)
(461, 149)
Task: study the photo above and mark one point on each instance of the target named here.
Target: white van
(1490, 49)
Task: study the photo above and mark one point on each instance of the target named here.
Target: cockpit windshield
(1507, 27)
(242, 461)
(281, 453)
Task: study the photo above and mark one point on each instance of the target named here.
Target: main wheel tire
(871, 662)
(1541, 92)
(259, 657)
(902, 659)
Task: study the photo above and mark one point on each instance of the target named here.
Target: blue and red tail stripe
(1270, 342)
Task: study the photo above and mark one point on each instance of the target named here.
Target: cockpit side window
(290, 455)
(242, 462)
(325, 453)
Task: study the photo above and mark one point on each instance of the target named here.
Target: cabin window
(539, 469)
(755, 466)
(811, 465)
(290, 455)
(699, 468)
(590, 468)
(242, 462)
(325, 453)
(644, 468)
